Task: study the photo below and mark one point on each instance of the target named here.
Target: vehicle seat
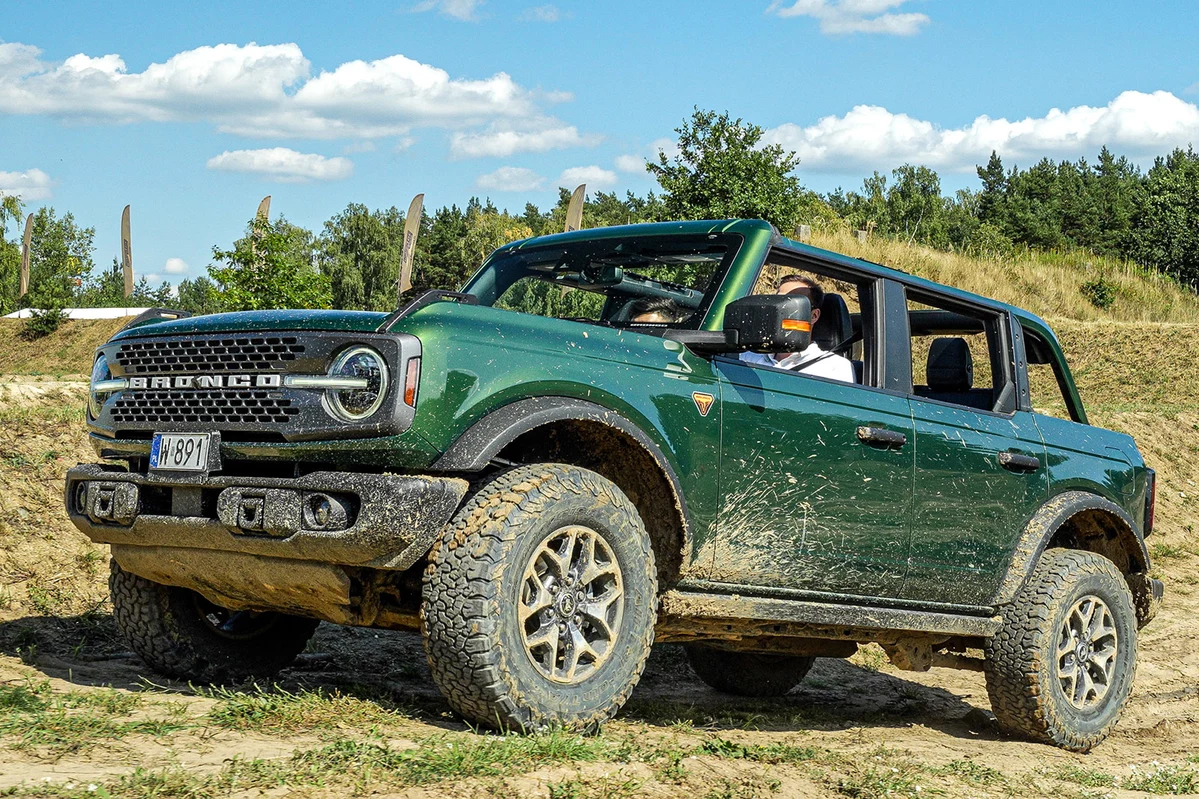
(834, 325)
(950, 375)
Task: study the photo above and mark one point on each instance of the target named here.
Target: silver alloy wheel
(571, 604)
(1086, 652)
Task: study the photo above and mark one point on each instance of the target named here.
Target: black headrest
(834, 325)
(950, 367)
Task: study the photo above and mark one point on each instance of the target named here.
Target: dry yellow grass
(67, 351)
(1048, 284)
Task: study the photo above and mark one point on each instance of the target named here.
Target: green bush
(48, 298)
(1100, 292)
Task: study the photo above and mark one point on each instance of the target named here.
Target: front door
(813, 495)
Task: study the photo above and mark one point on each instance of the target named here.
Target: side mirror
(762, 323)
(769, 323)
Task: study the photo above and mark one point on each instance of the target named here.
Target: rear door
(980, 465)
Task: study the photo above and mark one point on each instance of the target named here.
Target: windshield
(646, 281)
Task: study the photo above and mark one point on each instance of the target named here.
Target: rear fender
(1077, 520)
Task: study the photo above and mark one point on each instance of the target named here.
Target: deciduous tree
(722, 171)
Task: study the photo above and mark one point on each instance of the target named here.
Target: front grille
(233, 354)
(250, 407)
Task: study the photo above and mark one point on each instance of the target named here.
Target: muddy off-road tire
(181, 634)
(1062, 666)
(748, 673)
(540, 601)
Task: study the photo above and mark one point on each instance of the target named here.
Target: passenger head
(655, 310)
(803, 286)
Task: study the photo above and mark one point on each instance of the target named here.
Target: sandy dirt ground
(853, 728)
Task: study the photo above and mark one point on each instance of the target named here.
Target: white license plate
(183, 452)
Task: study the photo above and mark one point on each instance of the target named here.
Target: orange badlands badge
(796, 324)
(703, 402)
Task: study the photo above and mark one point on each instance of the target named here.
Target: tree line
(721, 170)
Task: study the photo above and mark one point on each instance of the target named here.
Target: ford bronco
(543, 483)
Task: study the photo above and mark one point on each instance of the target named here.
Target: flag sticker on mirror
(703, 402)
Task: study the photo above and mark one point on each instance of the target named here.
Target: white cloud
(365, 146)
(215, 82)
(500, 142)
(269, 91)
(463, 10)
(283, 165)
(546, 13)
(1192, 89)
(30, 185)
(593, 176)
(175, 266)
(871, 137)
(152, 278)
(510, 178)
(854, 16)
(633, 164)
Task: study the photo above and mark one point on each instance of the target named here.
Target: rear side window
(1046, 387)
(959, 355)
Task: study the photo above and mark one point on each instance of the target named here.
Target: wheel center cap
(566, 604)
(1083, 652)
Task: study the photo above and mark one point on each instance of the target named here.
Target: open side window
(849, 307)
(961, 355)
(1048, 381)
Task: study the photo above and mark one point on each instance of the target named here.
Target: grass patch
(49, 600)
(1086, 777)
(772, 753)
(1164, 781)
(431, 760)
(973, 773)
(35, 718)
(600, 788)
(1160, 551)
(277, 710)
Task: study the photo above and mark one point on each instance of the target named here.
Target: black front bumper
(343, 518)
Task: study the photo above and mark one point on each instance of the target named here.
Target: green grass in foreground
(35, 719)
(367, 747)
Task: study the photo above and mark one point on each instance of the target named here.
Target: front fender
(483, 441)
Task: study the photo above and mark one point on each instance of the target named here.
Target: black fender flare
(482, 441)
(1049, 518)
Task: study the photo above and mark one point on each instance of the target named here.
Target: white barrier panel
(84, 313)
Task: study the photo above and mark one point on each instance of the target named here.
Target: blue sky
(191, 113)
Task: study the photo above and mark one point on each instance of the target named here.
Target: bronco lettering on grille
(208, 381)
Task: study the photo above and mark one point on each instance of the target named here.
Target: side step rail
(687, 615)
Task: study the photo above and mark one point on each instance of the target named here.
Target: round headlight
(100, 371)
(367, 367)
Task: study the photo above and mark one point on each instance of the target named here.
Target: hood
(259, 322)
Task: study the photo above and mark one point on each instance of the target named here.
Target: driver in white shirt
(813, 360)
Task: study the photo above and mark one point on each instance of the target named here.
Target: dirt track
(854, 728)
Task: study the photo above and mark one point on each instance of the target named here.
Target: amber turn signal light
(411, 379)
(797, 324)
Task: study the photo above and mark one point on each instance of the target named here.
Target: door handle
(881, 435)
(1019, 463)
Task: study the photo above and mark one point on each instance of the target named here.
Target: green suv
(598, 444)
